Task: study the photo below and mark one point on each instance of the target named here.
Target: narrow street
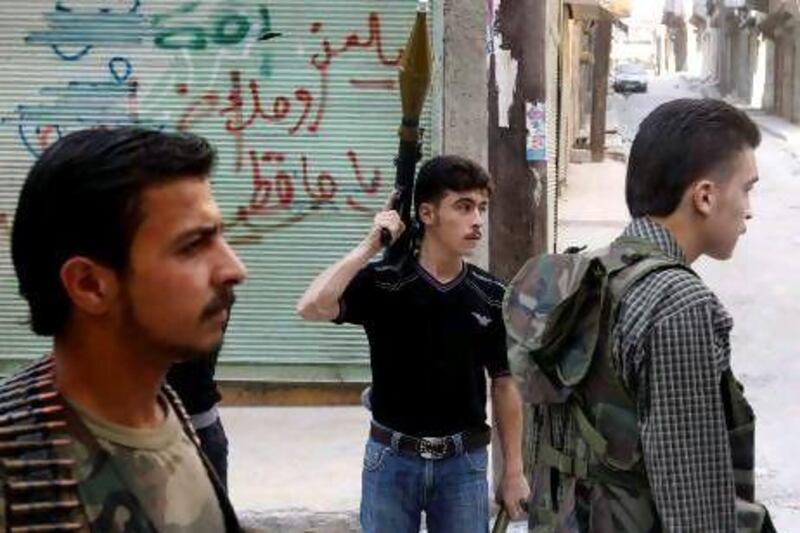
(314, 463)
(757, 285)
(292, 113)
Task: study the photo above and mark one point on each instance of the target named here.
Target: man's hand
(388, 219)
(507, 407)
(513, 494)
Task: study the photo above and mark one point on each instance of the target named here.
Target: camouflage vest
(42, 487)
(560, 310)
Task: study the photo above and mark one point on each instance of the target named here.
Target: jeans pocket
(477, 459)
(374, 456)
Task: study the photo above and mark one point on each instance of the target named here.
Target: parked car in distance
(630, 77)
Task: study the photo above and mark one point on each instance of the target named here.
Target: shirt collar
(651, 231)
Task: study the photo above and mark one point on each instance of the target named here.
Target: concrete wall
(585, 67)
(572, 82)
(782, 89)
(768, 103)
(709, 49)
(795, 79)
(464, 79)
(785, 78)
(745, 66)
(730, 55)
(462, 67)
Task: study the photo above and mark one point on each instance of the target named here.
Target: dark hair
(82, 197)
(679, 142)
(448, 173)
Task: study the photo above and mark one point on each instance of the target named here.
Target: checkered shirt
(671, 347)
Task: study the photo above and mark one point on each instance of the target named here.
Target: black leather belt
(431, 447)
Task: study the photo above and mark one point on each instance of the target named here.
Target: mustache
(222, 300)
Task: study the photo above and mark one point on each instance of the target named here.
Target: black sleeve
(194, 382)
(496, 351)
(358, 300)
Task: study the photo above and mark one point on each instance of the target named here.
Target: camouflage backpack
(588, 469)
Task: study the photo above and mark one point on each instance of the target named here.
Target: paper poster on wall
(536, 120)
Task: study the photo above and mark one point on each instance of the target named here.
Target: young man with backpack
(624, 353)
(435, 327)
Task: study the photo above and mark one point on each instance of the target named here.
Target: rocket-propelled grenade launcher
(416, 65)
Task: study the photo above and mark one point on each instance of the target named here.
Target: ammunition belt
(38, 437)
(40, 483)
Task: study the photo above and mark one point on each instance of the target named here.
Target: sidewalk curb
(792, 139)
(306, 521)
(764, 120)
(775, 126)
(299, 521)
(769, 129)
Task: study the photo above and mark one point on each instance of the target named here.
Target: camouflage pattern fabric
(160, 467)
(751, 516)
(559, 312)
(56, 474)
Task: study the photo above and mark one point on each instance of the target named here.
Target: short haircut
(82, 198)
(445, 173)
(678, 143)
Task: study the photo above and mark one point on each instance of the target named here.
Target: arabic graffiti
(322, 62)
(72, 35)
(225, 29)
(5, 228)
(274, 197)
(253, 114)
(274, 202)
(80, 104)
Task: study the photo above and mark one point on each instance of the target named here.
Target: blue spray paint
(82, 31)
(120, 68)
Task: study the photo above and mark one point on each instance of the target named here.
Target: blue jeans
(397, 487)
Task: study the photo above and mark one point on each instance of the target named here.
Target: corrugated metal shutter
(553, 65)
(299, 97)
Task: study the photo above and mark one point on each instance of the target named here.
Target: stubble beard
(137, 332)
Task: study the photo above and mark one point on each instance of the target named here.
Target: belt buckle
(432, 447)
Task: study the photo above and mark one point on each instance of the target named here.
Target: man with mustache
(118, 248)
(435, 329)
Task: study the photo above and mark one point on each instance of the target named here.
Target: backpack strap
(625, 278)
(228, 513)
(630, 259)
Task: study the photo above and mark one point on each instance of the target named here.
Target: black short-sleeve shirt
(430, 345)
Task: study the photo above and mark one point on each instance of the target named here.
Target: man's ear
(703, 194)
(427, 213)
(90, 286)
